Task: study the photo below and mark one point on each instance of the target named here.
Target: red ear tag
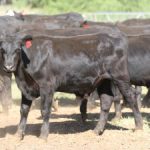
(119, 22)
(23, 13)
(28, 44)
(85, 26)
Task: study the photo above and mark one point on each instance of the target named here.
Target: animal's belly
(79, 86)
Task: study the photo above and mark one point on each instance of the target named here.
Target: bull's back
(61, 32)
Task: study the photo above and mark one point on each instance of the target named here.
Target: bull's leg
(83, 107)
(91, 100)
(83, 110)
(118, 114)
(120, 77)
(46, 104)
(25, 107)
(106, 102)
(138, 95)
(117, 104)
(129, 95)
(106, 99)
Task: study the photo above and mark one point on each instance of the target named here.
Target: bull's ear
(18, 16)
(85, 22)
(25, 39)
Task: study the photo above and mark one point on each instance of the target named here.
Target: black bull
(64, 64)
(67, 32)
(138, 66)
(7, 25)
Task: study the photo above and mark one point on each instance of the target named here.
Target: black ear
(18, 16)
(85, 22)
(26, 38)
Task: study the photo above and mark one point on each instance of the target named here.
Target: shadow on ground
(67, 127)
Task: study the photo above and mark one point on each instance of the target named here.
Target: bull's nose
(8, 68)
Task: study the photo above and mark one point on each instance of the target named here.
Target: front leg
(46, 104)
(25, 107)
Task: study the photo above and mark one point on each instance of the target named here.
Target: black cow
(138, 59)
(138, 66)
(15, 14)
(43, 65)
(71, 16)
(7, 25)
(67, 32)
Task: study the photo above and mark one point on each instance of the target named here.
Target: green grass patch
(128, 122)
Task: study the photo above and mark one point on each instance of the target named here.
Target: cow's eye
(2, 50)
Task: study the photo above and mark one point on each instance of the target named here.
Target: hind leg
(117, 104)
(83, 107)
(120, 77)
(106, 102)
(138, 95)
(106, 99)
(118, 113)
(129, 96)
(94, 96)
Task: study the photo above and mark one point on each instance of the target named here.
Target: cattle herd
(65, 53)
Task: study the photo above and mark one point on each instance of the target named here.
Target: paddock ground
(67, 132)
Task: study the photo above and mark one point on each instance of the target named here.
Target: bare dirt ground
(67, 132)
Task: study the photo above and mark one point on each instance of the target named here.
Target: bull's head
(11, 50)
